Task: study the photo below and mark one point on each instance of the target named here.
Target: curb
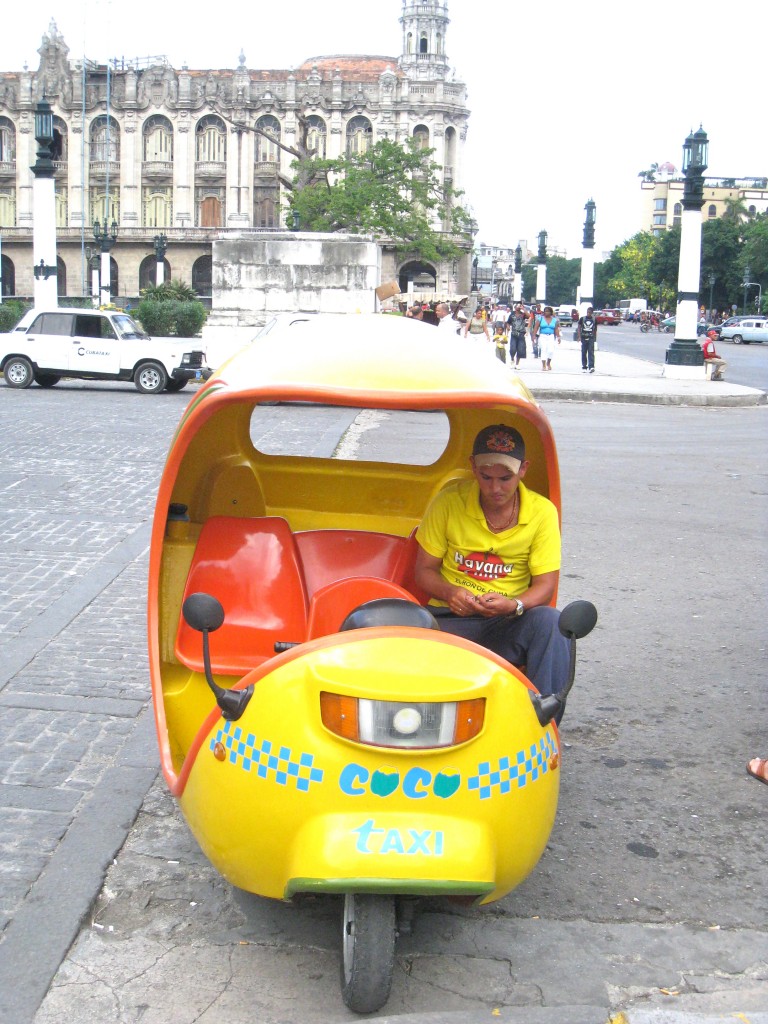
(750, 400)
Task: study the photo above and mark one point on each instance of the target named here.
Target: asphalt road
(652, 882)
(747, 364)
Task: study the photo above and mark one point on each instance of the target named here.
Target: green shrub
(157, 318)
(190, 317)
(10, 313)
(169, 318)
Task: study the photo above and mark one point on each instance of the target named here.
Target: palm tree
(735, 210)
(650, 174)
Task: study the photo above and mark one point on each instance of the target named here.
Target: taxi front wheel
(151, 378)
(368, 951)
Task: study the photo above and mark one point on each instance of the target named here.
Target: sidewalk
(620, 378)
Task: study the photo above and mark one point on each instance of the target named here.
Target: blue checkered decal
(279, 763)
(514, 771)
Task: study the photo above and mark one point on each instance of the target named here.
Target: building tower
(424, 26)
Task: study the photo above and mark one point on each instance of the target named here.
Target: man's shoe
(584, 369)
(592, 370)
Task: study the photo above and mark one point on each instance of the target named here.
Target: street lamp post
(474, 274)
(711, 282)
(587, 285)
(541, 269)
(747, 275)
(44, 205)
(752, 284)
(518, 289)
(160, 243)
(105, 239)
(685, 358)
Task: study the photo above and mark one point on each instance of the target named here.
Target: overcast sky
(569, 100)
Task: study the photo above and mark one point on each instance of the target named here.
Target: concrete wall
(256, 276)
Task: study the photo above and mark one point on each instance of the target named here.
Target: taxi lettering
(416, 784)
(91, 352)
(406, 842)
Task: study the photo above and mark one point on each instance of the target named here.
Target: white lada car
(95, 344)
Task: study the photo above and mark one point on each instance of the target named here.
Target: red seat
(403, 573)
(252, 566)
(329, 555)
(331, 604)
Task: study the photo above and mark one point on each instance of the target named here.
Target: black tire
(644, 328)
(368, 951)
(737, 339)
(47, 380)
(150, 379)
(176, 385)
(18, 372)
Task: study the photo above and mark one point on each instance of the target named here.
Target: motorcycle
(320, 733)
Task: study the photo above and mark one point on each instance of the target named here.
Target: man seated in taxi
(489, 557)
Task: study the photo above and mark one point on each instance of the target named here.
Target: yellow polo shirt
(454, 529)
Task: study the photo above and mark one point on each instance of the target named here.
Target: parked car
(730, 322)
(748, 329)
(608, 316)
(94, 344)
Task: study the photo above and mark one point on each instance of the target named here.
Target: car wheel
(150, 378)
(737, 339)
(176, 385)
(47, 380)
(368, 951)
(18, 372)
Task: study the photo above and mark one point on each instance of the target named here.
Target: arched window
(266, 207)
(158, 206)
(209, 207)
(148, 272)
(752, 211)
(105, 142)
(103, 208)
(359, 135)
(423, 44)
(202, 276)
(61, 276)
(7, 143)
(59, 146)
(423, 276)
(61, 207)
(267, 152)
(677, 210)
(317, 135)
(712, 211)
(210, 140)
(8, 207)
(421, 136)
(158, 139)
(9, 276)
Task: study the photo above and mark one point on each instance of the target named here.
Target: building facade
(662, 199)
(155, 150)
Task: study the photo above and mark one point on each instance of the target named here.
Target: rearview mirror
(202, 611)
(577, 619)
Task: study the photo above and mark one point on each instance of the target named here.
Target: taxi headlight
(408, 724)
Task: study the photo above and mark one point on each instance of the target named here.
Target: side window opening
(54, 323)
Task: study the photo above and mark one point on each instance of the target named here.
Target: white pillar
(105, 298)
(587, 285)
(687, 315)
(517, 288)
(160, 273)
(541, 283)
(44, 242)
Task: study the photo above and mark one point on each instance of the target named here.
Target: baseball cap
(499, 443)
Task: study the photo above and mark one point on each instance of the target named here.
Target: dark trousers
(533, 639)
(588, 353)
(516, 347)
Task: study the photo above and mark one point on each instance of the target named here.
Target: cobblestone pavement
(81, 463)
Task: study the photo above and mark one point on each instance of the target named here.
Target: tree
(735, 210)
(391, 191)
(626, 273)
(650, 174)
(562, 280)
(720, 253)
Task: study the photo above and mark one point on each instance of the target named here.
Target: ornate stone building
(161, 151)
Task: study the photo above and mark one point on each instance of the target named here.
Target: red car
(608, 316)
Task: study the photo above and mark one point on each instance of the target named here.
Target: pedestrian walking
(586, 333)
(477, 325)
(517, 323)
(547, 328)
